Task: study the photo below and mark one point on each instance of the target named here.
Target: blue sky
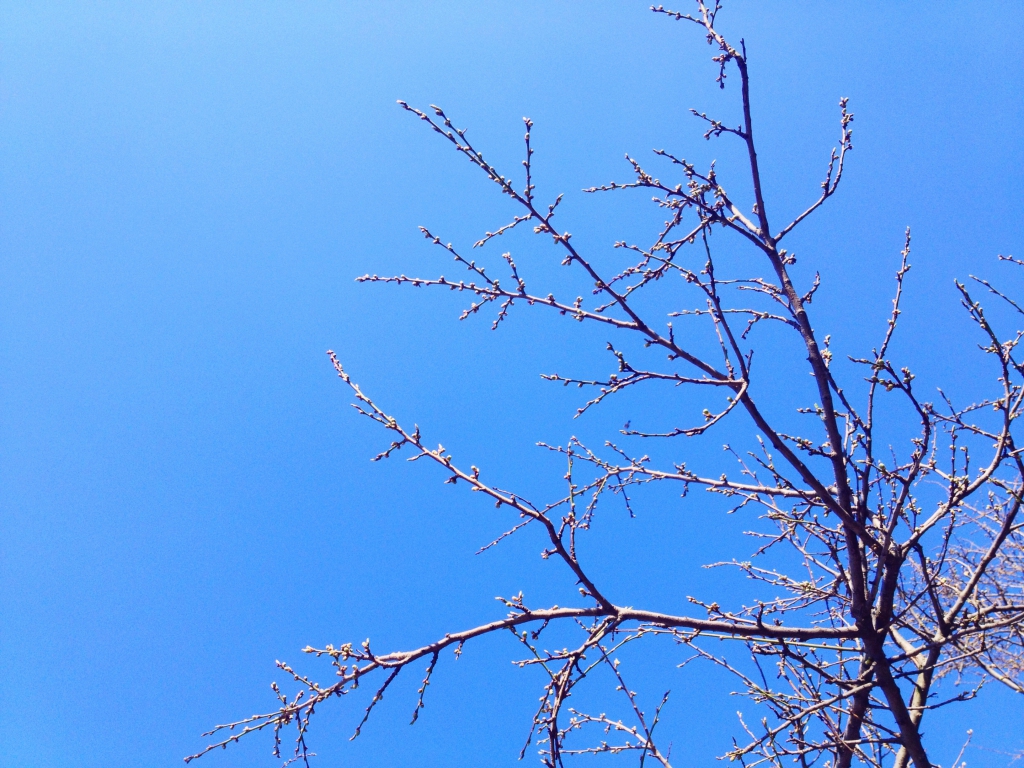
(187, 192)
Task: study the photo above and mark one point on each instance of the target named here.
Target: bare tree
(893, 568)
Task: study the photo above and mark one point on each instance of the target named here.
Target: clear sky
(187, 192)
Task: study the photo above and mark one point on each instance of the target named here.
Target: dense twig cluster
(893, 567)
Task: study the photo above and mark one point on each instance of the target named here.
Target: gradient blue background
(187, 191)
